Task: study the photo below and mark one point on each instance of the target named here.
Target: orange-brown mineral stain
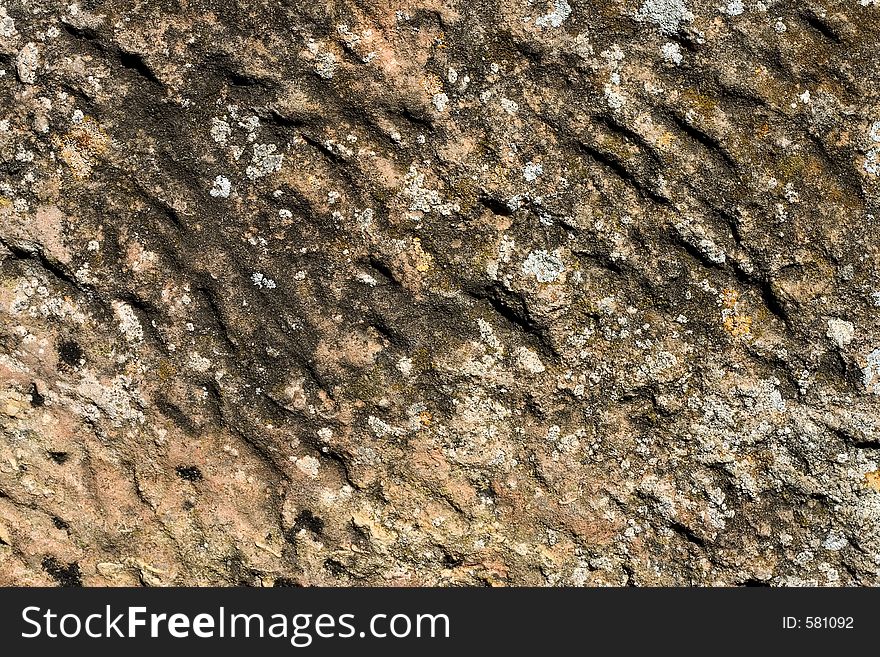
(666, 141)
(729, 297)
(738, 325)
(872, 479)
(735, 322)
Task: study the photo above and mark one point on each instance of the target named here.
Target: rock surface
(441, 293)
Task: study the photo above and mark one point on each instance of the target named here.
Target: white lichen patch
(733, 8)
(7, 25)
(505, 252)
(874, 131)
(509, 106)
(872, 162)
(546, 267)
(423, 199)
(671, 53)
(613, 55)
(405, 366)
(611, 90)
(656, 365)
(262, 282)
(308, 465)
(325, 65)
(199, 363)
(364, 218)
(871, 372)
(221, 187)
(117, 399)
(265, 160)
(33, 298)
(220, 130)
(381, 428)
(613, 97)
(440, 101)
(835, 541)
(712, 251)
(668, 15)
(26, 63)
(250, 125)
(349, 38)
(528, 360)
(558, 14)
(840, 331)
(488, 337)
(695, 234)
(532, 171)
(129, 324)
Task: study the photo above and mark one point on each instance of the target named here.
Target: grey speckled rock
(548, 293)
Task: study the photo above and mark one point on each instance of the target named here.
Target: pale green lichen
(546, 267)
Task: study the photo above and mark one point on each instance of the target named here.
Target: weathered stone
(548, 293)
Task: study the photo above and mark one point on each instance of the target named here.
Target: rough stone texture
(447, 293)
